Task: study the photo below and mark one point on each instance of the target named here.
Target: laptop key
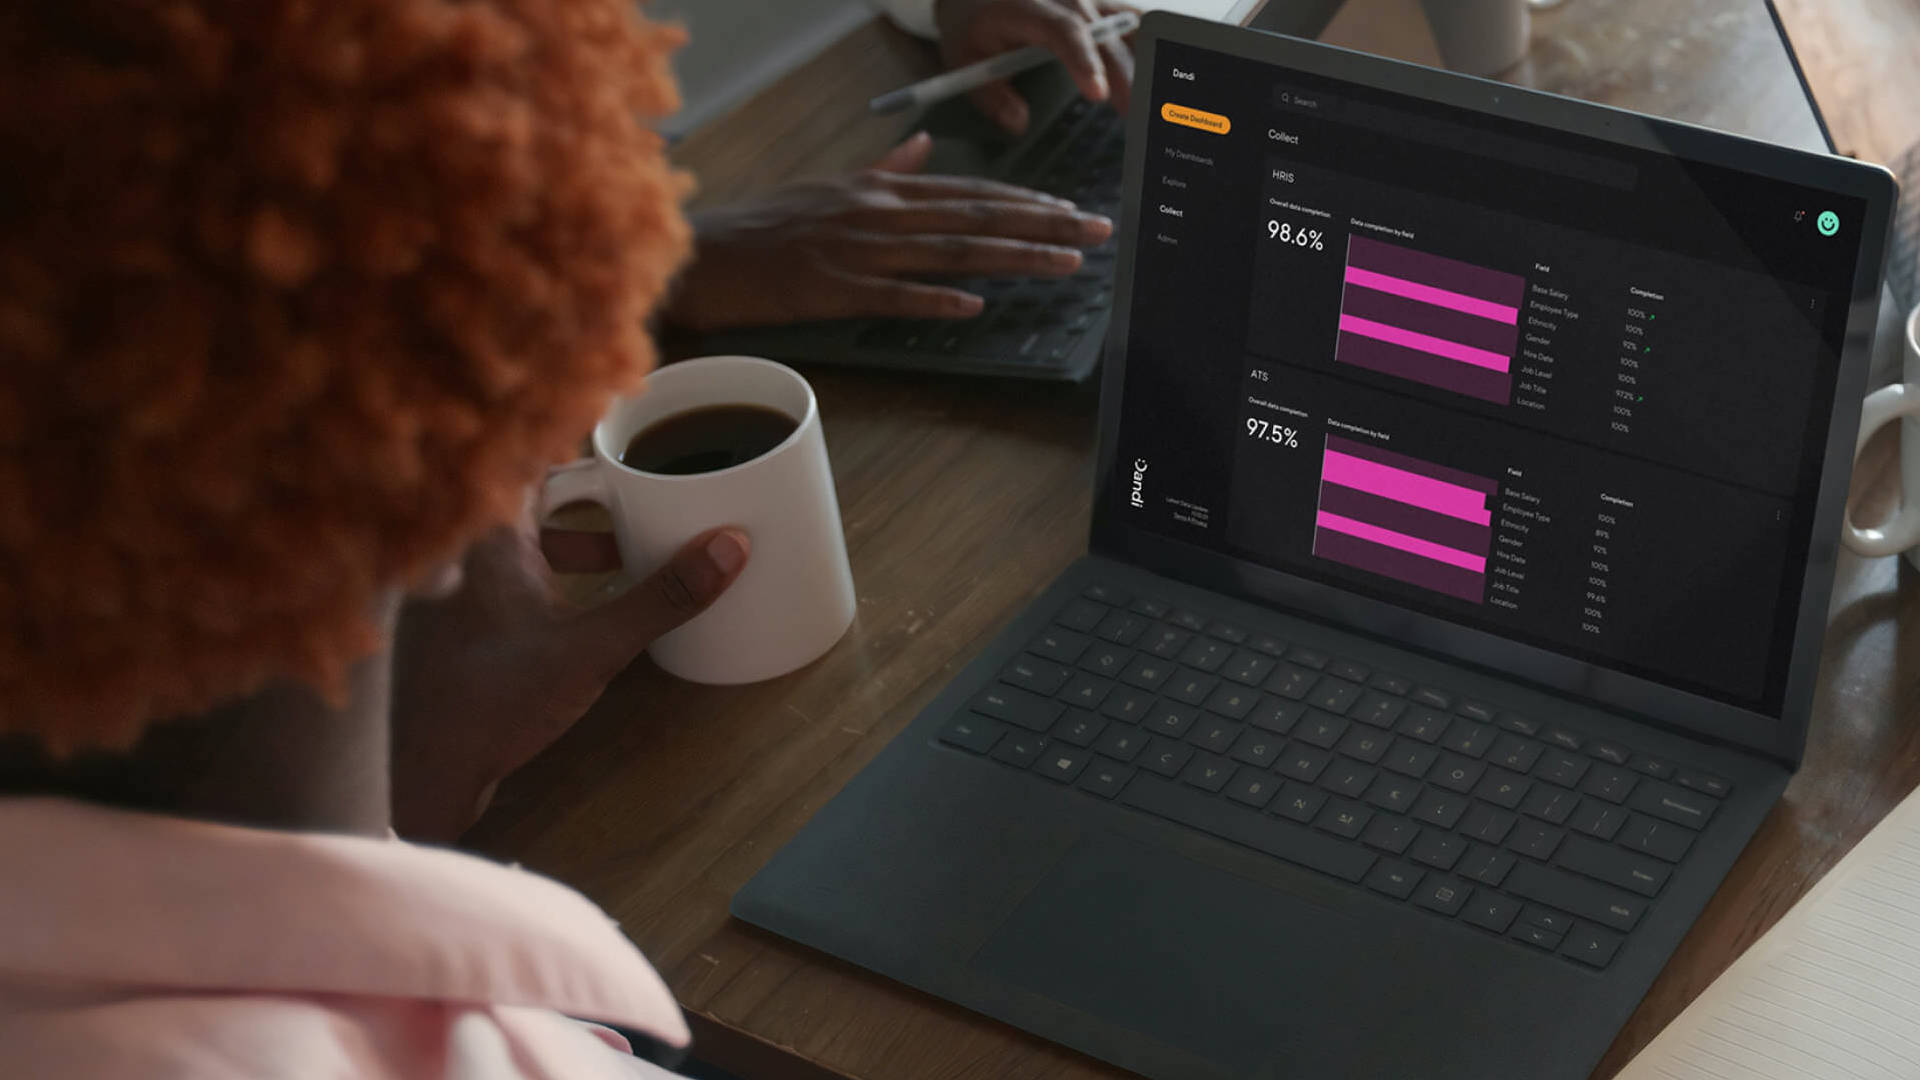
(1105, 777)
(1299, 802)
(1017, 707)
(1611, 753)
(1377, 709)
(1397, 685)
(1502, 788)
(1166, 642)
(1303, 763)
(1538, 936)
(1063, 763)
(1596, 818)
(1189, 686)
(1485, 823)
(1086, 691)
(1590, 945)
(1488, 866)
(1409, 758)
(1104, 659)
(1348, 778)
(1257, 748)
(1205, 653)
(1490, 911)
(1394, 793)
(1350, 670)
(1607, 906)
(1122, 627)
(1320, 729)
(1677, 805)
(1475, 710)
(1609, 783)
(1267, 643)
(1078, 728)
(1433, 696)
(1443, 894)
(1560, 767)
(1276, 714)
(969, 732)
(1704, 783)
(1365, 744)
(1292, 681)
(1564, 739)
(1535, 840)
(1343, 817)
(1150, 607)
(1213, 736)
(1514, 752)
(1209, 772)
(1548, 803)
(1227, 632)
(1655, 838)
(1120, 743)
(1170, 719)
(1605, 862)
(1232, 700)
(1057, 643)
(1253, 787)
(1249, 668)
(1456, 773)
(1082, 615)
(1395, 878)
(1437, 849)
(1423, 722)
(1658, 768)
(1308, 658)
(1334, 695)
(1229, 821)
(1546, 918)
(1147, 673)
(1167, 757)
(1127, 704)
(1187, 620)
(1466, 737)
(1390, 834)
(1105, 594)
(1518, 724)
(1019, 748)
(1029, 672)
(1440, 808)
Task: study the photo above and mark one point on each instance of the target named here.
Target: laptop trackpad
(1176, 950)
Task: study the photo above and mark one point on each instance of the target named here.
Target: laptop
(1470, 472)
(1045, 329)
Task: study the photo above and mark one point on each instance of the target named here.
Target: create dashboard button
(1195, 118)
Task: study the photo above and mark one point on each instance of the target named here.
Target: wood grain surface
(963, 499)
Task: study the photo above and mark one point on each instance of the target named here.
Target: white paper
(1831, 992)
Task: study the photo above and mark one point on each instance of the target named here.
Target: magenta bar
(1445, 298)
(1422, 367)
(1452, 350)
(1471, 279)
(1382, 456)
(1489, 334)
(1400, 566)
(1402, 486)
(1402, 518)
(1412, 545)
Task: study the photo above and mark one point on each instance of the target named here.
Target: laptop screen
(1568, 392)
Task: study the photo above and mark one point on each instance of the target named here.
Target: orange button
(1195, 118)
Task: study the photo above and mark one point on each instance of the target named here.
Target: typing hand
(855, 246)
(973, 30)
(492, 674)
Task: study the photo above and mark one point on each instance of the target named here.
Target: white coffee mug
(1902, 399)
(795, 598)
(1479, 37)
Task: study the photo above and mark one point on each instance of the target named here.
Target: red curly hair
(295, 299)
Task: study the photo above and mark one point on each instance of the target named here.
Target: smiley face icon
(1828, 223)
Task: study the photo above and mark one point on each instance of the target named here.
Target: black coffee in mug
(707, 439)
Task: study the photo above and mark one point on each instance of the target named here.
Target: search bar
(1448, 135)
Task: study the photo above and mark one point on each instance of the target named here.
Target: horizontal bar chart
(1398, 516)
(1433, 320)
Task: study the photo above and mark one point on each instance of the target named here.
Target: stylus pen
(1007, 64)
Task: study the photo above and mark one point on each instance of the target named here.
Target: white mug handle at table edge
(579, 480)
(1883, 406)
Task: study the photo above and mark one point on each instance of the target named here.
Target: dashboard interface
(1561, 390)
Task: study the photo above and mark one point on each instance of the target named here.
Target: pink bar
(1452, 350)
(1412, 545)
(1445, 298)
(1403, 486)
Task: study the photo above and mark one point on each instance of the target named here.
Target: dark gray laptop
(1470, 473)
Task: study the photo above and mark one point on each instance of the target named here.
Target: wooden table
(962, 499)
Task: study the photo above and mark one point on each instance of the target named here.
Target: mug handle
(1883, 406)
(576, 481)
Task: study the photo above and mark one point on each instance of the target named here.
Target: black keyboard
(1518, 826)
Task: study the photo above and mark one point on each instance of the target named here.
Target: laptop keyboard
(1037, 321)
(1513, 824)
